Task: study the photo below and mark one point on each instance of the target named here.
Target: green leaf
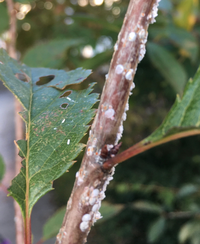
(49, 54)
(165, 6)
(4, 20)
(115, 27)
(168, 66)
(167, 196)
(185, 40)
(183, 118)
(147, 206)
(190, 230)
(96, 61)
(2, 168)
(187, 190)
(56, 120)
(156, 229)
(52, 226)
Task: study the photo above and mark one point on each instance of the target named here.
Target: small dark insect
(147, 143)
(105, 153)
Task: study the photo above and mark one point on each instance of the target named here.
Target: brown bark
(106, 130)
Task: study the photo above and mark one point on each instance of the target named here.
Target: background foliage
(159, 189)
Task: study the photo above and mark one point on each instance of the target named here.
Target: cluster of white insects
(93, 195)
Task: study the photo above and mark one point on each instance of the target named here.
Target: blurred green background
(155, 196)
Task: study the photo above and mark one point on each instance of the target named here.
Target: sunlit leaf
(186, 14)
(156, 229)
(168, 66)
(183, 118)
(56, 120)
(49, 54)
(189, 231)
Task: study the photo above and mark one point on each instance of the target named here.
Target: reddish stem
(142, 146)
(28, 230)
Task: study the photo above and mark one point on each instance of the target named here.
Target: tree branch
(19, 131)
(92, 179)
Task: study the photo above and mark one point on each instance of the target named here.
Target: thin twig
(19, 131)
(142, 147)
(106, 130)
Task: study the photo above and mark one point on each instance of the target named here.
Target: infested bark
(92, 178)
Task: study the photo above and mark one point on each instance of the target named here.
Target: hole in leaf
(23, 77)
(66, 94)
(79, 86)
(64, 105)
(45, 79)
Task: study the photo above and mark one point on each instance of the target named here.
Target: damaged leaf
(52, 133)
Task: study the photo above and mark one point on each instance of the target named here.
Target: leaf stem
(143, 146)
(28, 230)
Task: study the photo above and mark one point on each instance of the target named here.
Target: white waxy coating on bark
(121, 128)
(97, 216)
(151, 17)
(96, 207)
(132, 36)
(132, 86)
(95, 192)
(86, 218)
(127, 107)
(124, 116)
(119, 69)
(106, 76)
(77, 174)
(90, 151)
(129, 74)
(84, 226)
(142, 34)
(92, 200)
(102, 195)
(109, 146)
(80, 180)
(116, 47)
(110, 113)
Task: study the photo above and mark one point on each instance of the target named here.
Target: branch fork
(93, 178)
